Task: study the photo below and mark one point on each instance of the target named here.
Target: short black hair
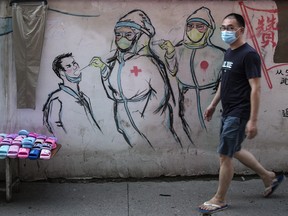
(239, 18)
(57, 66)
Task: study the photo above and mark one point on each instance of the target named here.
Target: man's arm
(251, 127)
(211, 108)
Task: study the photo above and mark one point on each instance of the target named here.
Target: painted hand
(168, 46)
(97, 62)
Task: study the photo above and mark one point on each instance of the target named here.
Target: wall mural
(195, 61)
(262, 26)
(68, 71)
(138, 82)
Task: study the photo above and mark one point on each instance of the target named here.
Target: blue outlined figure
(136, 80)
(54, 110)
(195, 61)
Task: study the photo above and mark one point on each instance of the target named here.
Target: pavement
(148, 197)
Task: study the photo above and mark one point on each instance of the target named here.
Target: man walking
(239, 92)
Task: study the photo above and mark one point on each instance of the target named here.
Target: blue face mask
(74, 79)
(228, 37)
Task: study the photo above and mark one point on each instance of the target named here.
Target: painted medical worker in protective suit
(136, 80)
(195, 62)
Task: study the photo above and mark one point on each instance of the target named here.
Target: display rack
(13, 181)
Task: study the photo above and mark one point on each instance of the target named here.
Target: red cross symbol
(135, 70)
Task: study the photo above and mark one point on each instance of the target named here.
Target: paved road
(158, 197)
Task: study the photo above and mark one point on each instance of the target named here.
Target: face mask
(229, 37)
(124, 43)
(73, 79)
(194, 35)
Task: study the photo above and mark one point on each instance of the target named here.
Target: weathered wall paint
(132, 141)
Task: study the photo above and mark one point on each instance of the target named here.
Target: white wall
(86, 152)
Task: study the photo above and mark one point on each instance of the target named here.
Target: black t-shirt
(238, 67)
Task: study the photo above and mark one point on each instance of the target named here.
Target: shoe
(45, 154)
(52, 141)
(28, 142)
(13, 151)
(23, 152)
(5, 145)
(3, 151)
(34, 154)
(212, 208)
(23, 132)
(275, 184)
(40, 139)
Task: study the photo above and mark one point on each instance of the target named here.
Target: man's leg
(225, 177)
(229, 134)
(248, 159)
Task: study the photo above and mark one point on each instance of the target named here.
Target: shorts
(232, 134)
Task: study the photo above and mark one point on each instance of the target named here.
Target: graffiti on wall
(138, 82)
(285, 113)
(195, 62)
(262, 28)
(68, 71)
(283, 76)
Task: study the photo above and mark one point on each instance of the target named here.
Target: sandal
(212, 208)
(274, 185)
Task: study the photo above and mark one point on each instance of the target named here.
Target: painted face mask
(229, 37)
(73, 79)
(195, 36)
(124, 43)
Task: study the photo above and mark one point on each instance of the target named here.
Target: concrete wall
(132, 140)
